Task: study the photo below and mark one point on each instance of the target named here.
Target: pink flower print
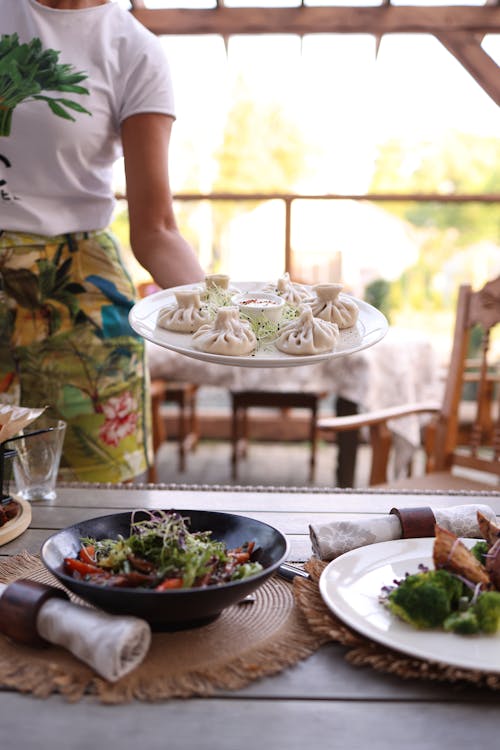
(121, 418)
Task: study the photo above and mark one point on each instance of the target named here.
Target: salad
(265, 330)
(161, 554)
(461, 594)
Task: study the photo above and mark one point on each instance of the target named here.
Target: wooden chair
(448, 444)
(165, 391)
(184, 395)
(244, 400)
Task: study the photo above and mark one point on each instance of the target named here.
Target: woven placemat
(362, 652)
(245, 642)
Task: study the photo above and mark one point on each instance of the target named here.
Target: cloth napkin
(112, 645)
(329, 540)
(14, 418)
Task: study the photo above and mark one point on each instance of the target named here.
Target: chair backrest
(480, 448)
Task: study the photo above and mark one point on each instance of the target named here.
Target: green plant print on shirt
(26, 70)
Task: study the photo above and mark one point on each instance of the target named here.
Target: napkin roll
(329, 540)
(34, 613)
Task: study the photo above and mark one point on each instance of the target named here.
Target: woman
(81, 82)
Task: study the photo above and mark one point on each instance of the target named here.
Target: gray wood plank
(249, 499)
(44, 517)
(326, 675)
(218, 724)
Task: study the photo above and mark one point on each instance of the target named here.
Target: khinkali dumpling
(220, 280)
(228, 334)
(187, 315)
(217, 289)
(327, 305)
(291, 292)
(307, 335)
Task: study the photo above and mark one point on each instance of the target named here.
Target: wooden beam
(313, 20)
(468, 51)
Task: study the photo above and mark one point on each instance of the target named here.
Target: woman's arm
(154, 236)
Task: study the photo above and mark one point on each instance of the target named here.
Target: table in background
(320, 702)
(400, 369)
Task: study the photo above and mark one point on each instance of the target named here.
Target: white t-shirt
(55, 174)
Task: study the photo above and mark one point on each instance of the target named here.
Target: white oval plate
(370, 328)
(350, 587)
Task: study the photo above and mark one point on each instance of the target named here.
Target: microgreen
(163, 538)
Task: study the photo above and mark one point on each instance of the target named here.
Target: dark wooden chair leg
(181, 439)
(243, 439)
(194, 428)
(314, 441)
(234, 441)
(158, 425)
(347, 444)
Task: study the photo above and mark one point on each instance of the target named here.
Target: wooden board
(16, 526)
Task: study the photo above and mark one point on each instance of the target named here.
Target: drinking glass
(38, 454)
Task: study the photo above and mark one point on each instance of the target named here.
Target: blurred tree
(263, 150)
(458, 163)
(378, 294)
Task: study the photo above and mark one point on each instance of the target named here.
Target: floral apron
(65, 341)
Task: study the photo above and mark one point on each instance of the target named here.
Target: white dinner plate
(350, 587)
(370, 328)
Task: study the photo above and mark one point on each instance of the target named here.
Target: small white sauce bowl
(258, 303)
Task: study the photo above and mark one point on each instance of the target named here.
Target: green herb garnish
(164, 547)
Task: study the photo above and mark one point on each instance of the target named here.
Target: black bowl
(177, 608)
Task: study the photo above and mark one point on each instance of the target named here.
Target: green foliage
(458, 163)
(378, 294)
(262, 149)
(450, 234)
(26, 70)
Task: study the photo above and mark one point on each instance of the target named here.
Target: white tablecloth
(400, 369)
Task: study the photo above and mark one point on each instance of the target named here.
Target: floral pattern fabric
(334, 538)
(65, 341)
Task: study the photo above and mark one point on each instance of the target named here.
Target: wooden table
(400, 369)
(322, 702)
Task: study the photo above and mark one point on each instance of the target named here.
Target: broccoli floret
(482, 617)
(487, 611)
(479, 550)
(426, 599)
(462, 623)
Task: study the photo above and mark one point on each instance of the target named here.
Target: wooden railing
(289, 198)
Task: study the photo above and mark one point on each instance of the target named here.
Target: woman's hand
(154, 236)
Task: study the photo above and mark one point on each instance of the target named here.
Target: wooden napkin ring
(415, 522)
(20, 604)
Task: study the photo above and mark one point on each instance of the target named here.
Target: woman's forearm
(167, 256)
(155, 239)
